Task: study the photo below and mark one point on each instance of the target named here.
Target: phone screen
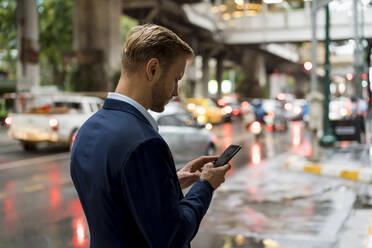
(227, 155)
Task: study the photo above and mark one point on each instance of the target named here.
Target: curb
(332, 170)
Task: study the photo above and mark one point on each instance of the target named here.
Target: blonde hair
(152, 41)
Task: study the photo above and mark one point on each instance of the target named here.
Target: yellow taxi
(205, 110)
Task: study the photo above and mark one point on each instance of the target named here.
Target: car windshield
(179, 119)
(47, 105)
(211, 104)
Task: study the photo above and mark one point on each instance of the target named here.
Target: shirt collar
(139, 107)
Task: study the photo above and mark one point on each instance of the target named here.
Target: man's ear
(153, 69)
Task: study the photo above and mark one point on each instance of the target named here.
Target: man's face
(167, 85)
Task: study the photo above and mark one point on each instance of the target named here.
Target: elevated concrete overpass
(289, 26)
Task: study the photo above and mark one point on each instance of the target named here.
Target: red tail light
(8, 121)
(214, 139)
(53, 123)
(73, 137)
(221, 102)
(245, 104)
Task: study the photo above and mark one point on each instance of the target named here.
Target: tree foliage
(126, 23)
(8, 37)
(56, 38)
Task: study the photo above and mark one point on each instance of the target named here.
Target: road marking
(33, 161)
(33, 188)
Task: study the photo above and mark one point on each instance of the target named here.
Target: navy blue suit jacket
(126, 180)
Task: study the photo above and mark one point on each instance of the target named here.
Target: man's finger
(207, 159)
(209, 165)
(196, 173)
(225, 168)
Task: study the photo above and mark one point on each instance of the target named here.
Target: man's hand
(215, 175)
(191, 172)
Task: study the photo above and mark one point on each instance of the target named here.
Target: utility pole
(318, 111)
(357, 51)
(315, 98)
(328, 138)
(314, 45)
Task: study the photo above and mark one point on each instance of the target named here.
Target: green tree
(56, 39)
(8, 37)
(126, 23)
(56, 35)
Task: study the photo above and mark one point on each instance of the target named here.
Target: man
(121, 167)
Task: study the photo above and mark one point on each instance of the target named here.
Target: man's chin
(158, 109)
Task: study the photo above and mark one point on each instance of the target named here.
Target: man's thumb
(226, 167)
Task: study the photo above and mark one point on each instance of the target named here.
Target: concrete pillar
(261, 70)
(28, 70)
(251, 83)
(277, 84)
(189, 84)
(219, 75)
(97, 41)
(205, 77)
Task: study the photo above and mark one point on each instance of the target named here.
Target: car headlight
(191, 106)
(200, 111)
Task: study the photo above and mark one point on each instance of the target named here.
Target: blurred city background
(288, 80)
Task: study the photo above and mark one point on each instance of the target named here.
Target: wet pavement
(266, 202)
(260, 205)
(38, 203)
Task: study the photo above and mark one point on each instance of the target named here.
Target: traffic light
(364, 76)
(308, 66)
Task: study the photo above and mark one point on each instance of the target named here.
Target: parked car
(340, 108)
(187, 139)
(51, 118)
(205, 110)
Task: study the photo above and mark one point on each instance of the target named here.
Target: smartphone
(227, 155)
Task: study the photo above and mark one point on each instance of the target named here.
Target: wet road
(38, 203)
(260, 205)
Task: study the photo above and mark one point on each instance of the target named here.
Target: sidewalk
(339, 165)
(351, 162)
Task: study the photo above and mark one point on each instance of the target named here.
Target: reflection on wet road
(39, 207)
(263, 205)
